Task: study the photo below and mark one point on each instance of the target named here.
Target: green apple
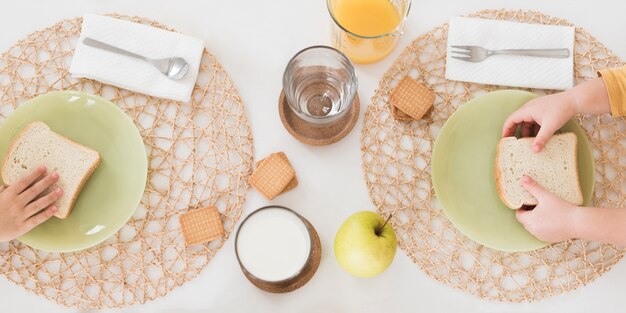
(365, 244)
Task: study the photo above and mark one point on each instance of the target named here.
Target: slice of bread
(555, 168)
(38, 145)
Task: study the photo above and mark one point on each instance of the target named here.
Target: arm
(590, 97)
(601, 224)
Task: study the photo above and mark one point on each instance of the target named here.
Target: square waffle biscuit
(201, 225)
(399, 115)
(273, 176)
(411, 98)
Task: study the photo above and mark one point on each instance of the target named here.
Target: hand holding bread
(27, 203)
(540, 118)
(543, 116)
(555, 220)
(552, 220)
(555, 167)
(38, 145)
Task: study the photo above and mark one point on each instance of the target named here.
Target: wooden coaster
(303, 277)
(318, 136)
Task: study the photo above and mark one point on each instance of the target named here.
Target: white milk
(273, 244)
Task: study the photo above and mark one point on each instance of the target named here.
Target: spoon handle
(104, 46)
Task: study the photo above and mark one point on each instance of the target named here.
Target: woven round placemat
(200, 154)
(396, 161)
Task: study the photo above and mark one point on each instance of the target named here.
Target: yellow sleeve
(615, 81)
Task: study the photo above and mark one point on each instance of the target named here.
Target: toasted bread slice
(38, 145)
(555, 168)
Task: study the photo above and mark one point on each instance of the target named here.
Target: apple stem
(379, 230)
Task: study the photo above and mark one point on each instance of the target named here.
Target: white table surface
(253, 40)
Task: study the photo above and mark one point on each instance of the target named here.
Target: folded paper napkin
(508, 70)
(130, 73)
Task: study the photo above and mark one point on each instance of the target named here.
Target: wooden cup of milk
(278, 250)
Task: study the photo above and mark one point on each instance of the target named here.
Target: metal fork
(477, 53)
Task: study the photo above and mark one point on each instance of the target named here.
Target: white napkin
(130, 73)
(506, 70)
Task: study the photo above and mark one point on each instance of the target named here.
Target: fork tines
(463, 50)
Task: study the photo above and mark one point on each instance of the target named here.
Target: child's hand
(552, 220)
(23, 206)
(541, 117)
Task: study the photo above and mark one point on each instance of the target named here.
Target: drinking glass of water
(320, 85)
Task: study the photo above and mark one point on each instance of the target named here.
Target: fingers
(534, 188)
(35, 190)
(42, 202)
(39, 218)
(510, 125)
(527, 129)
(544, 134)
(27, 180)
(522, 216)
(536, 129)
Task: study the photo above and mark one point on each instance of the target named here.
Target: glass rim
(394, 32)
(308, 259)
(350, 69)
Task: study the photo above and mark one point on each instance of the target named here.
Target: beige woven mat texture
(396, 161)
(199, 154)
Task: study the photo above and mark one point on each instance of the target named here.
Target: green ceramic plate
(115, 188)
(463, 171)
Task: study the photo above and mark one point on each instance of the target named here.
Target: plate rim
(144, 176)
(436, 186)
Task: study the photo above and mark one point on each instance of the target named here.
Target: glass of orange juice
(367, 30)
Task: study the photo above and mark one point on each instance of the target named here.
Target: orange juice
(367, 25)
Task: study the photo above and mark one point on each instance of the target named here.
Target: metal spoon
(174, 68)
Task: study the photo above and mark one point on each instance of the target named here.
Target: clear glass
(361, 48)
(320, 84)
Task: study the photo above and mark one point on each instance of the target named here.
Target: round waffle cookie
(396, 160)
(200, 155)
